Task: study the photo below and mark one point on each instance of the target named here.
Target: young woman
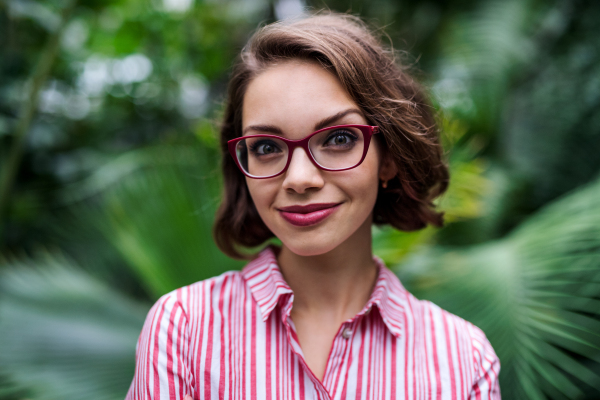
(323, 136)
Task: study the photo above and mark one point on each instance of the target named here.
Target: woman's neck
(336, 284)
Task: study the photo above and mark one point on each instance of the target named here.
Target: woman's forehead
(351, 114)
(296, 94)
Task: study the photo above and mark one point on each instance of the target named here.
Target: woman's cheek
(263, 195)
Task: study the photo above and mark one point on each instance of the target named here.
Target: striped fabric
(230, 337)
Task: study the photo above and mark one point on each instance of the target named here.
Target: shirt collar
(268, 288)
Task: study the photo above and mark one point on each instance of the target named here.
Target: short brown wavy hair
(389, 98)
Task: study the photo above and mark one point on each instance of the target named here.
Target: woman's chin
(309, 248)
(325, 238)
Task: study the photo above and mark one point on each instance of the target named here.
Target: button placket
(338, 356)
(297, 350)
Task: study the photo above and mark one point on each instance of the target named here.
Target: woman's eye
(264, 148)
(340, 139)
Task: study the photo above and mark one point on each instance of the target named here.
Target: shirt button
(346, 333)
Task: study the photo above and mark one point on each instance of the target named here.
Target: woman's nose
(302, 174)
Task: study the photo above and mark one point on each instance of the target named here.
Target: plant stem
(37, 80)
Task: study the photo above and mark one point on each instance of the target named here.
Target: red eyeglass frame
(367, 130)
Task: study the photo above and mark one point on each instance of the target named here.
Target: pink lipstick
(309, 214)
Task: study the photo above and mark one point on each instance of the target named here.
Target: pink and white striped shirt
(231, 337)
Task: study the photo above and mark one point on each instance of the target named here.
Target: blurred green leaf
(480, 53)
(534, 293)
(65, 335)
(159, 216)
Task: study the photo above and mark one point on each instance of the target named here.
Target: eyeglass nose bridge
(303, 144)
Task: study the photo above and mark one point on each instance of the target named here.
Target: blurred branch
(38, 79)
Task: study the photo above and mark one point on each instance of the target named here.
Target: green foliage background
(109, 178)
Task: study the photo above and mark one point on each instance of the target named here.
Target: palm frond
(534, 293)
(159, 213)
(11, 391)
(65, 335)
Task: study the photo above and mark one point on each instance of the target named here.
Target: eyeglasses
(335, 148)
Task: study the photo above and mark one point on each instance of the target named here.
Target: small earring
(384, 184)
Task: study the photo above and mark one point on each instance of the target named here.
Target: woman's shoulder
(425, 317)
(430, 316)
(205, 296)
(449, 327)
(454, 337)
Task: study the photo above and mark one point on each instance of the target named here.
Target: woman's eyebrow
(325, 122)
(263, 128)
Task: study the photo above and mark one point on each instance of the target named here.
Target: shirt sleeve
(487, 369)
(162, 368)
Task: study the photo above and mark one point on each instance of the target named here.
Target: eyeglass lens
(337, 148)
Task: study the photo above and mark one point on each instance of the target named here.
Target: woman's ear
(388, 169)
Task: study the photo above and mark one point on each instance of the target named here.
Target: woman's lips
(308, 215)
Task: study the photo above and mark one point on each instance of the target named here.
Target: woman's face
(292, 98)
